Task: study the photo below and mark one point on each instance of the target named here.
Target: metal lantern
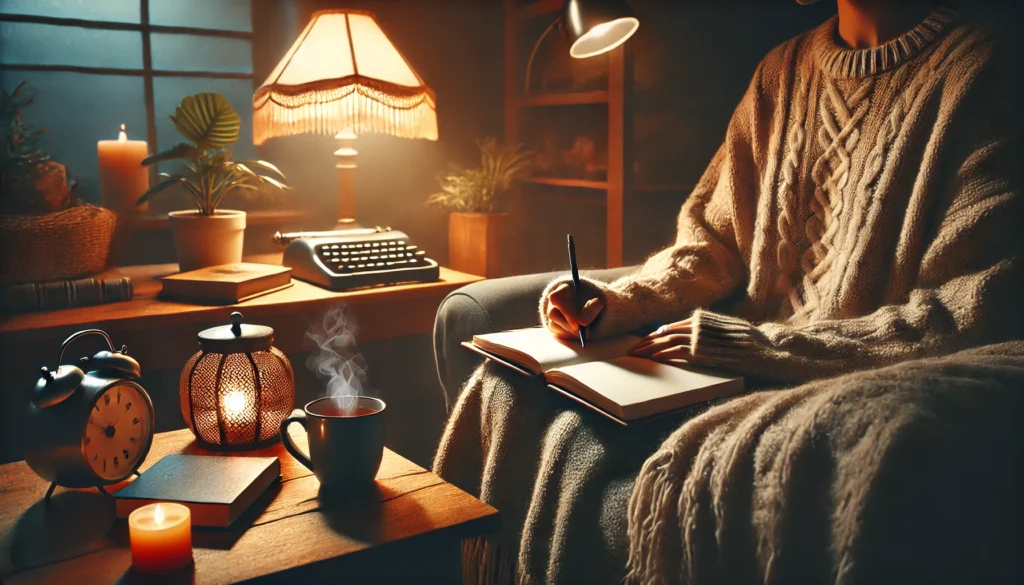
(236, 391)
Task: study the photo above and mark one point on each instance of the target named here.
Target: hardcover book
(603, 376)
(227, 283)
(216, 489)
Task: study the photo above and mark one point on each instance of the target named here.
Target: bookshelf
(617, 97)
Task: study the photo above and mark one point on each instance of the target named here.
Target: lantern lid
(237, 337)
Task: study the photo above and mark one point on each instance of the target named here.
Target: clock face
(118, 433)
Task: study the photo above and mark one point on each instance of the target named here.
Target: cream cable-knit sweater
(864, 209)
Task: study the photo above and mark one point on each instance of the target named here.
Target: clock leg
(49, 492)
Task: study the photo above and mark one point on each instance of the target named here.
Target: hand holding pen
(565, 317)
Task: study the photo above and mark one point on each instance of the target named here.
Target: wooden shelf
(567, 98)
(154, 222)
(538, 8)
(662, 188)
(578, 183)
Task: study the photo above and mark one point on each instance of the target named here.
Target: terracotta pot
(475, 242)
(207, 240)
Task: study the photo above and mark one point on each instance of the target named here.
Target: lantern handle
(83, 333)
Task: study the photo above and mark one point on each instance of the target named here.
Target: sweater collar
(843, 62)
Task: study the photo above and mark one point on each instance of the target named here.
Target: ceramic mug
(346, 440)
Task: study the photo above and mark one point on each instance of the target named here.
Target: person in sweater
(861, 211)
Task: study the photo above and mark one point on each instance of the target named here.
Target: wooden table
(408, 528)
(161, 334)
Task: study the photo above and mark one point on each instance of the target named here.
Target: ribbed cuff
(726, 342)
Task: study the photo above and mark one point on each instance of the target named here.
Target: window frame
(147, 73)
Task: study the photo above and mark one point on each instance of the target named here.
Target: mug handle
(287, 440)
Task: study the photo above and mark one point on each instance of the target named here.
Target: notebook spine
(64, 294)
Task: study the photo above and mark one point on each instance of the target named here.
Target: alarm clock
(89, 425)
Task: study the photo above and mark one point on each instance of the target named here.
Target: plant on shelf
(475, 231)
(30, 182)
(478, 190)
(207, 235)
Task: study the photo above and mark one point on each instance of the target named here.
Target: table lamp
(592, 27)
(344, 77)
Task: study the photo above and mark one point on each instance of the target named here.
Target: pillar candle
(161, 538)
(123, 179)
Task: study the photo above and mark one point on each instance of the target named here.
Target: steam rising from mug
(338, 362)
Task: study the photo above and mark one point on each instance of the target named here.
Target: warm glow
(158, 515)
(343, 73)
(234, 403)
(122, 136)
(604, 37)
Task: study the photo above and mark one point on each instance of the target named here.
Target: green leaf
(208, 120)
(181, 150)
(262, 164)
(152, 191)
(275, 182)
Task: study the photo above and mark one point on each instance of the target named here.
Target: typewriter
(356, 258)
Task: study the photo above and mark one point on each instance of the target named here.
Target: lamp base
(347, 223)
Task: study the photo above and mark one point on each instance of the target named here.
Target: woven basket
(55, 246)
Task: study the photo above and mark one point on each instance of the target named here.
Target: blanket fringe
(485, 562)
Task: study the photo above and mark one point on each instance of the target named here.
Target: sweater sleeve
(705, 264)
(966, 288)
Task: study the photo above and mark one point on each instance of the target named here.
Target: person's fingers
(565, 303)
(590, 311)
(676, 352)
(560, 332)
(558, 318)
(660, 343)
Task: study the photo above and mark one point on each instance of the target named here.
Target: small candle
(123, 179)
(161, 538)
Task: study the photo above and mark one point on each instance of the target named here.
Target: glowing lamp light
(592, 27)
(238, 388)
(597, 26)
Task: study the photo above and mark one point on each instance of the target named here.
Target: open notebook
(602, 375)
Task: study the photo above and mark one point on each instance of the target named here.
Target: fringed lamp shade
(343, 75)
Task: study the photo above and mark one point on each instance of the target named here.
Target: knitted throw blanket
(911, 474)
(908, 474)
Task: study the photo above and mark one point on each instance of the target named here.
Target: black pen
(577, 286)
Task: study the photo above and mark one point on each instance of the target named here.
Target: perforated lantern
(236, 391)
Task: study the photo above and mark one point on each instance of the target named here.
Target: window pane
(108, 10)
(80, 109)
(172, 52)
(47, 44)
(219, 15)
(168, 92)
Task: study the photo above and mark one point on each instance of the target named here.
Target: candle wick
(122, 137)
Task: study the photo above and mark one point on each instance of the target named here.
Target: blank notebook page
(642, 387)
(551, 352)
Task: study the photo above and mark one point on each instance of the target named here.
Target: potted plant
(44, 234)
(206, 235)
(475, 231)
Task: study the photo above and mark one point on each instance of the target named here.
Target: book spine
(83, 292)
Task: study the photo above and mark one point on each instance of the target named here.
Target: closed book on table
(217, 490)
(226, 283)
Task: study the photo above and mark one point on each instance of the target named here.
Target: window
(96, 64)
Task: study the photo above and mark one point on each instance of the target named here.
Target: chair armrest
(486, 307)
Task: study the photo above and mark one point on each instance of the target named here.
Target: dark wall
(456, 47)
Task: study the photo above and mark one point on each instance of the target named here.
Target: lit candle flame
(158, 515)
(234, 403)
(122, 137)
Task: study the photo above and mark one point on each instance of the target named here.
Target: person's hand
(666, 344)
(563, 320)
